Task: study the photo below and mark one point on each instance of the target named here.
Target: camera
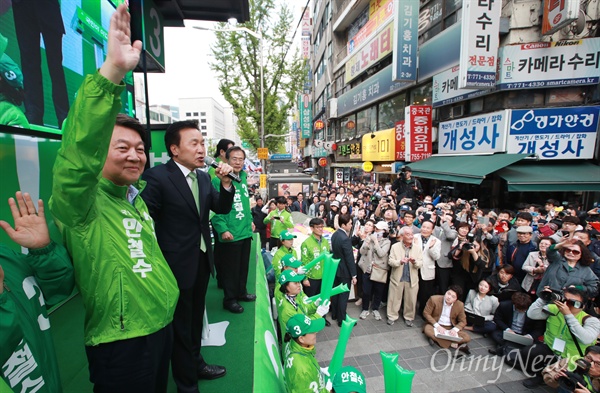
(569, 382)
(554, 295)
(469, 244)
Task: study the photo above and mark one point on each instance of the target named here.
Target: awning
(546, 176)
(462, 169)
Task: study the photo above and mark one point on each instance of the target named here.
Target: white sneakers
(364, 314)
(377, 315)
(358, 303)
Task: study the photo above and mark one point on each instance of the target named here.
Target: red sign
(322, 162)
(418, 132)
(350, 125)
(400, 142)
(319, 125)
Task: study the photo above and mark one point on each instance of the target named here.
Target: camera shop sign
(556, 133)
(550, 64)
(478, 134)
(349, 151)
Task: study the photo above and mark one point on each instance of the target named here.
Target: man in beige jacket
(406, 258)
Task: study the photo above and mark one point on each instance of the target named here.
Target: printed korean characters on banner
(305, 105)
(554, 133)
(558, 14)
(406, 33)
(380, 12)
(550, 64)
(479, 43)
(400, 141)
(306, 29)
(379, 47)
(446, 91)
(417, 133)
(478, 134)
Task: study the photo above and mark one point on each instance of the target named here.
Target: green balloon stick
(340, 349)
(396, 379)
(329, 271)
(334, 291)
(318, 259)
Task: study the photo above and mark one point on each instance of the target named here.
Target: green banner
(268, 373)
(305, 106)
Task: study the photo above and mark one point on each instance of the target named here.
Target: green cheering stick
(340, 349)
(396, 379)
(318, 259)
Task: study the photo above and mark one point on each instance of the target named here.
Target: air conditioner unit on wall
(331, 111)
(457, 111)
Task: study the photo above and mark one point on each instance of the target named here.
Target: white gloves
(301, 270)
(323, 309)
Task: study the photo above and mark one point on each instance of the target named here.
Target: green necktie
(192, 175)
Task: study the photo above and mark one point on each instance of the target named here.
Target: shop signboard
(479, 43)
(445, 90)
(550, 64)
(383, 12)
(554, 133)
(400, 141)
(379, 146)
(477, 134)
(417, 133)
(349, 151)
(377, 48)
(558, 14)
(305, 105)
(406, 34)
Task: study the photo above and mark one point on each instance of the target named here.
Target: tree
(237, 64)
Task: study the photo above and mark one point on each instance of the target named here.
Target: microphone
(210, 162)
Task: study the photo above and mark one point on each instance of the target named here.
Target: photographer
(569, 331)
(386, 203)
(585, 379)
(407, 188)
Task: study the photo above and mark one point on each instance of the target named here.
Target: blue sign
(554, 133)
(280, 157)
(406, 28)
(440, 53)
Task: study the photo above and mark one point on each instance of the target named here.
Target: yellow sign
(263, 153)
(379, 146)
(367, 166)
(379, 47)
(263, 181)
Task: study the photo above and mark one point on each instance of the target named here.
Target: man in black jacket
(407, 188)
(341, 246)
(257, 218)
(511, 315)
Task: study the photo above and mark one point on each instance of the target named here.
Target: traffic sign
(263, 181)
(245, 145)
(263, 153)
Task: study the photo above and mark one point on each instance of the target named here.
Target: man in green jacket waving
(234, 238)
(128, 291)
(280, 220)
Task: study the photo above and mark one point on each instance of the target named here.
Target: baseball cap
(290, 276)
(335, 203)
(285, 235)
(348, 379)
(382, 225)
(300, 325)
(524, 229)
(10, 72)
(290, 261)
(404, 207)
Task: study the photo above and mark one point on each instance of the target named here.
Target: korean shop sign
(417, 133)
(478, 134)
(379, 47)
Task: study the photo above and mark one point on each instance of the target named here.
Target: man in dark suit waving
(179, 198)
(341, 246)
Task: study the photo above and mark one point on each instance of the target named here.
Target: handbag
(378, 274)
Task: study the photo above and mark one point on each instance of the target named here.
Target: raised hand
(31, 230)
(122, 55)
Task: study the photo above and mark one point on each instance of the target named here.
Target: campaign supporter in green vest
(280, 220)
(311, 248)
(234, 237)
(288, 262)
(29, 284)
(291, 300)
(569, 331)
(349, 380)
(221, 149)
(286, 246)
(127, 288)
(301, 369)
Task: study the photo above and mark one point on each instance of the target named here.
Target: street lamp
(262, 80)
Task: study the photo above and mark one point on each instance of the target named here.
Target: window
(203, 128)
(188, 114)
(202, 120)
(421, 95)
(195, 113)
(366, 121)
(391, 111)
(348, 127)
(204, 134)
(202, 113)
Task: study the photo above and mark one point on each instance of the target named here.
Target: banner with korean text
(382, 12)
(558, 14)
(305, 105)
(445, 90)
(400, 141)
(417, 133)
(554, 133)
(406, 34)
(479, 41)
(550, 64)
(477, 134)
(379, 47)
(379, 146)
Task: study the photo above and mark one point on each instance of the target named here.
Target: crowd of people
(462, 268)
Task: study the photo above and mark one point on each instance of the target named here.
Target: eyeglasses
(235, 159)
(592, 361)
(572, 251)
(319, 226)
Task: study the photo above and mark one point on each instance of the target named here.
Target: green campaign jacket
(277, 226)
(302, 371)
(239, 220)
(310, 249)
(32, 283)
(127, 287)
